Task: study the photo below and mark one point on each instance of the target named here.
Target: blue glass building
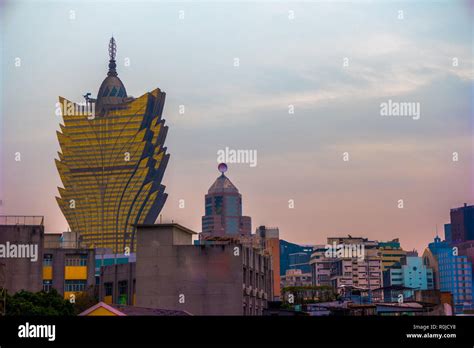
(294, 256)
(455, 274)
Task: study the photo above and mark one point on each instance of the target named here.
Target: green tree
(308, 294)
(39, 303)
(85, 300)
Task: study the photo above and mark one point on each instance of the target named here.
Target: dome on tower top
(223, 185)
(112, 91)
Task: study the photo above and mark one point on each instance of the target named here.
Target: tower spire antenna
(112, 54)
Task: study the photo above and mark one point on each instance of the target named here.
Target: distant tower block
(223, 209)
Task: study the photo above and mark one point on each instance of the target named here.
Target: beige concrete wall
(203, 280)
(23, 273)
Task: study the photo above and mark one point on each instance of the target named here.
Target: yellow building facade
(69, 271)
(111, 163)
(391, 253)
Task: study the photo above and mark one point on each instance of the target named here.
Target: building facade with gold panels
(111, 163)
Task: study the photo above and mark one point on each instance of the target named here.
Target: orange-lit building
(271, 240)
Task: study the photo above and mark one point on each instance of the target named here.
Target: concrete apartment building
(462, 224)
(18, 270)
(270, 242)
(212, 278)
(320, 267)
(365, 274)
(341, 273)
(68, 270)
(117, 284)
(295, 277)
(412, 273)
(391, 253)
(67, 266)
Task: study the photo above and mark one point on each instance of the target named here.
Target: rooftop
(223, 185)
(167, 225)
(25, 220)
(122, 310)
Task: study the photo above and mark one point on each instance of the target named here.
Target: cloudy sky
(335, 63)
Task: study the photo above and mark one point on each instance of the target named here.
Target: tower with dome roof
(223, 210)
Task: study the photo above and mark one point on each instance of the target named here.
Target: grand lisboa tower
(112, 162)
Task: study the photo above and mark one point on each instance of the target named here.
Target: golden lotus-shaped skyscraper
(111, 163)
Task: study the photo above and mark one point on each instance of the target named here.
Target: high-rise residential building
(111, 163)
(454, 273)
(430, 261)
(462, 224)
(223, 210)
(466, 249)
(448, 236)
(391, 253)
(363, 273)
(320, 267)
(460, 232)
(294, 277)
(270, 237)
(360, 271)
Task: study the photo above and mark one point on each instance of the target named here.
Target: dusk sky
(289, 53)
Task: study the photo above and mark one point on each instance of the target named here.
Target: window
(114, 92)
(74, 285)
(218, 200)
(123, 287)
(208, 206)
(232, 226)
(48, 260)
(123, 292)
(47, 285)
(108, 289)
(232, 206)
(76, 260)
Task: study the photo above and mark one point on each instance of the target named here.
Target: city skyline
(247, 107)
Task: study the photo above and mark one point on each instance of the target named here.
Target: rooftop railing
(25, 220)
